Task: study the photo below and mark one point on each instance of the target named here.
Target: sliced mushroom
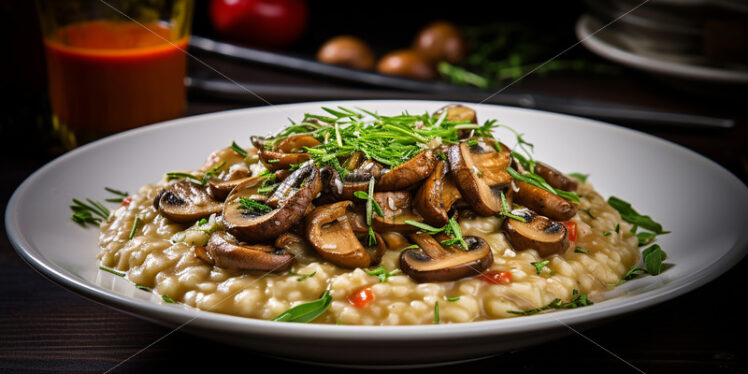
(457, 112)
(224, 251)
(409, 173)
(330, 233)
(279, 160)
(296, 143)
(397, 207)
(220, 187)
(184, 201)
(431, 262)
(480, 174)
(544, 202)
(288, 205)
(539, 233)
(436, 196)
(555, 178)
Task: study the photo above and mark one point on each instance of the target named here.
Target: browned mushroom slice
(225, 252)
(480, 173)
(280, 212)
(431, 262)
(357, 180)
(279, 160)
(457, 112)
(184, 201)
(221, 187)
(436, 196)
(555, 178)
(539, 233)
(331, 235)
(296, 143)
(409, 173)
(397, 207)
(544, 202)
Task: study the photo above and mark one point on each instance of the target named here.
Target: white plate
(704, 206)
(605, 44)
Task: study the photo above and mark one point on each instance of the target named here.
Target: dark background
(44, 327)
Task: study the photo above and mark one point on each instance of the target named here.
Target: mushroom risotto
(352, 217)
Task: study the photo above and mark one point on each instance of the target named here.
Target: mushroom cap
(406, 63)
(436, 196)
(539, 233)
(274, 160)
(348, 51)
(397, 207)
(441, 41)
(555, 178)
(290, 200)
(183, 201)
(220, 189)
(296, 143)
(228, 254)
(544, 202)
(409, 173)
(431, 262)
(331, 235)
(480, 174)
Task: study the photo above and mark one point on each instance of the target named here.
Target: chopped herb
(580, 250)
(453, 299)
(202, 221)
(117, 192)
(630, 215)
(442, 156)
(436, 313)
(115, 272)
(168, 299)
(538, 181)
(453, 228)
(134, 229)
(238, 149)
(412, 246)
(253, 206)
(653, 258)
(497, 146)
(292, 272)
(374, 204)
(382, 273)
(577, 300)
(176, 174)
(540, 265)
(273, 161)
(631, 274)
(607, 233)
(472, 143)
(645, 237)
(305, 276)
(83, 213)
(618, 228)
(580, 177)
(306, 312)
(505, 210)
(372, 238)
(143, 288)
(431, 230)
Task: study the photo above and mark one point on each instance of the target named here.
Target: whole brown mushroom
(408, 64)
(441, 41)
(348, 51)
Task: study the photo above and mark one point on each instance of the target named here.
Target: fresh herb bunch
(389, 140)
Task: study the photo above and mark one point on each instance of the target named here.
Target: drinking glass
(114, 64)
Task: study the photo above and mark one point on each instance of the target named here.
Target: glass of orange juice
(114, 64)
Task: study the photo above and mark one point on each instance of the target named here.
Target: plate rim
(694, 72)
(222, 322)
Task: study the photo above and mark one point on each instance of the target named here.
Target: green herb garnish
(631, 274)
(580, 177)
(436, 313)
(631, 216)
(653, 258)
(306, 312)
(382, 273)
(115, 272)
(134, 229)
(168, 299)
(645, 237)
(607, 233)
(120, 195)
(143, 288)
(540, 265)
(305, 276)
(505, 210)
(252, 206)
(453, 299)
(577, 300)
(580, 250)
(538, 181)
(238, 149)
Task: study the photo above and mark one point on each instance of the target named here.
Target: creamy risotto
(442, 225)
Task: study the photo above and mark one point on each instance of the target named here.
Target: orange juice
(108, 76)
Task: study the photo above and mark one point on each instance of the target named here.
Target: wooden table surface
(46, 328)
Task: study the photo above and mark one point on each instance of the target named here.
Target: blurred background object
(115, 65)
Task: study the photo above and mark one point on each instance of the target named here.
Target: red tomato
(267, 23)
(126, 201)
(497, 277)
(571, 228)
(361, 298)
